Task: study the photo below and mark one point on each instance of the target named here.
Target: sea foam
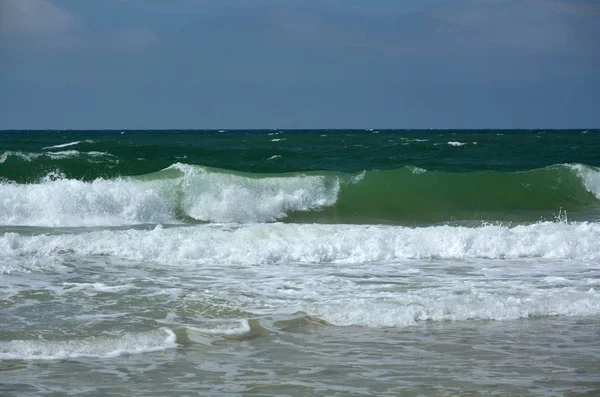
(53, 155)
(65, 202)
(224, 197)
(67, 144)
(589, 175)
(95, 347)
(409, 309)
(285, 243)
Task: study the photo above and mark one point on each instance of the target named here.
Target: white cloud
(41, 25)
(34, 17)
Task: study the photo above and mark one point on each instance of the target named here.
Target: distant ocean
(300, 263)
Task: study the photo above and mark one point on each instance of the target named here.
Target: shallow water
(551, 356)
(283, 310)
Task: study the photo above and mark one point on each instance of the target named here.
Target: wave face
(186, 193)
(221, 196)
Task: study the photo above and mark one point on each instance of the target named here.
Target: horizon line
(294, 129)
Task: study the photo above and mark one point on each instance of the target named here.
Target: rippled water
(528, 357)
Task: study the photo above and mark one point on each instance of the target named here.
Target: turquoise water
(324, 262)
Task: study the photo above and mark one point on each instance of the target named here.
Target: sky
(246, 64)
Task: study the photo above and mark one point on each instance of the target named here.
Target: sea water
(418, 263)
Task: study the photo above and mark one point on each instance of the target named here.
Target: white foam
(67, 144)
(95, 347)
(75, 153)
(100, 287)
(455, 143)
(236, 328)
(64, 202)
(222, 197)
(21, 155)
(372, 276)
(28, 265)
(417, 170)
(59, 155)
(293, 243)
(199, 193)
(409, 309)
(589, 175)
(359, 177)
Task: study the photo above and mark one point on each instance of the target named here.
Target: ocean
(300, 263)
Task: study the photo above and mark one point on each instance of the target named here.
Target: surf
(261, 244)
(184, 193)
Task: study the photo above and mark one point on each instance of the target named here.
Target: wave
(292, 243)
(373, 276)
(97, 347)
(186, 193)
(64, 202)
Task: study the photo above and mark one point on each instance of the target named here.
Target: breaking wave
(292, 243)
(186, 194)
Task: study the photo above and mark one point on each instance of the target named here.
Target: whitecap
(67, 144)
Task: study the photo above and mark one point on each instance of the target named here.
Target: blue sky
(67, 64)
